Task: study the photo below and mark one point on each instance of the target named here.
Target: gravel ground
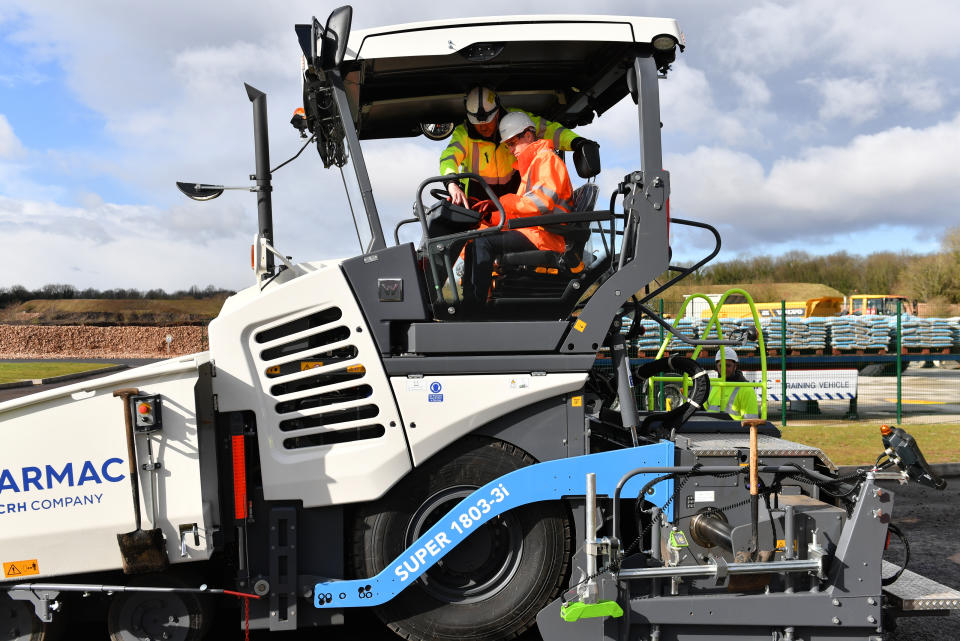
(88, 341)
(929, 519)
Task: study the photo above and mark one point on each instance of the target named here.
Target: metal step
(914, 592)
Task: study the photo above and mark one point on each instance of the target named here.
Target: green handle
(571, 612)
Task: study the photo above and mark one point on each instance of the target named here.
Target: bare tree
(928, 277)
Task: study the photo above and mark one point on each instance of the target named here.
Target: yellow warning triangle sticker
(21, 568)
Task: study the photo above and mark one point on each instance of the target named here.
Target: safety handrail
(686, 271)
(438, 244)
(558, 219)
(396, 230)
(714, 324)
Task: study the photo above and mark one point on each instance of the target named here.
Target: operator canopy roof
(568, 68)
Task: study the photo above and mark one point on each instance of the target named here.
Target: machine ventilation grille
(315, 378)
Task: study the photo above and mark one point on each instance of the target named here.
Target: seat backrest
(585, 197)
(586, 160)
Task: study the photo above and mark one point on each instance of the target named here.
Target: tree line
(18, 294)
(931, 278)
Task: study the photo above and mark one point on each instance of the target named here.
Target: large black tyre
(18, 622)
(493, 584)
(177, 616)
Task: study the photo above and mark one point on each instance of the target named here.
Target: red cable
(246, 620)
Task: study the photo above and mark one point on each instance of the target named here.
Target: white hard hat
(482, 105)
(728, 353)
(514, 124)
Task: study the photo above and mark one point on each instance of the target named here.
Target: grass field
(761, 292)
(859, 443)
(113, 311)
(28, 370)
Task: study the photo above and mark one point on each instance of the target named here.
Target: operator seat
(544, 261)
(545, 284)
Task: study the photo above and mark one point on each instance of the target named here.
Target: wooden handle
(753, 423)
(125, 395)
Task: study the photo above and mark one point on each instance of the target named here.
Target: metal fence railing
(896, 369)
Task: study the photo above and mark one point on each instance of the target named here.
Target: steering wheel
(454, 213)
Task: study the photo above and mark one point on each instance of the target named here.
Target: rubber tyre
(133, 616)
(501, 608)
(19, 623)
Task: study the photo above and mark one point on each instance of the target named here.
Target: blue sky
(809, 125)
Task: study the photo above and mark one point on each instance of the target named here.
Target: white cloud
(922, 94)
(854, 100)
(863, 33)
(900, 176)
(754, 91)
(166, 82)
(9, 143)
(104, 244)
(688, 103)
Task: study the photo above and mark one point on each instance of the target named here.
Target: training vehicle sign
(810, 384)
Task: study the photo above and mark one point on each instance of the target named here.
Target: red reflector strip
(668, 220)
(886, 543)
(239, 478)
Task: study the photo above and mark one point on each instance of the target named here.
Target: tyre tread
(361, 517)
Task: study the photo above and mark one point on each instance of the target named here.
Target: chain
(614, 565)
(648, 526)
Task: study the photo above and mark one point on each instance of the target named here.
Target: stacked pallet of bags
(817, 327)
(859, 332)
(650, 340)
(937, 334)
(797, 333)
(912, 331)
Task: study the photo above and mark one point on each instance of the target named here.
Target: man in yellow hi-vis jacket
(738, 402)
(475, 147)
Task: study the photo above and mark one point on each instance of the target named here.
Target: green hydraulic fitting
(571, 612)
(678, 539)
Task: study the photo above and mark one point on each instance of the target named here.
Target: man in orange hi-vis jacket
(544, 188)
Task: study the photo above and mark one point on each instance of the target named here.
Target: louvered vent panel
(318, 384)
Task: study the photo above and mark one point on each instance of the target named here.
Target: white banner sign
(810, 384)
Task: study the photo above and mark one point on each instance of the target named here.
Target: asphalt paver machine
(356, 438)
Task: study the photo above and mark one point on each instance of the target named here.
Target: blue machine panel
(549, 481)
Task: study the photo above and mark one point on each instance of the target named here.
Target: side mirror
(307, 37)
(335, 37)
(197, 191)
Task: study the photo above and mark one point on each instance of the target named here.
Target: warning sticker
(782, 545)
(305, 365)
(580, 326)
(576, 401)
(520, 382)
(21, 568)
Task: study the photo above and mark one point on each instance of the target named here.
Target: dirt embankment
(78, 341)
